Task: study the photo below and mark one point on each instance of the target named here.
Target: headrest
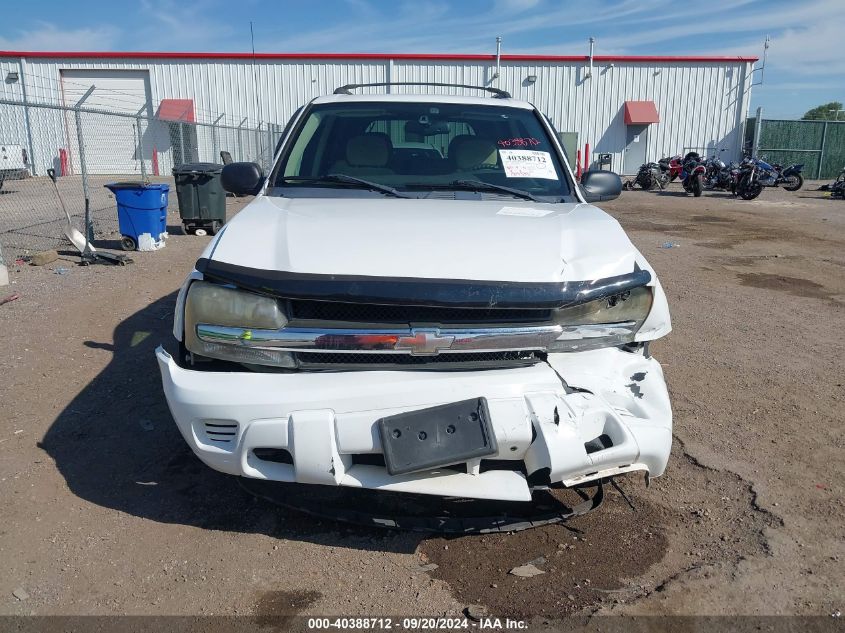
(468, 151)
(369, 150)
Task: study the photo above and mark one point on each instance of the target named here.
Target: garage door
(111, 142)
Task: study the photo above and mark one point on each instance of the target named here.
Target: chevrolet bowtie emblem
(424, 342)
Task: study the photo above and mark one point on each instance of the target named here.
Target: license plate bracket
(437, 436)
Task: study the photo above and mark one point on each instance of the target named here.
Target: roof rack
(496, 92)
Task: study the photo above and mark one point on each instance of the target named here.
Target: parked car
(471, 326)
(13, 162)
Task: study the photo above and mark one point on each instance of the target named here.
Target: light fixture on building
(531, 79)
(12, 77)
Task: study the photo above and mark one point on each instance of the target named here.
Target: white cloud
(49, 37)
(172, 25)
(438, 27)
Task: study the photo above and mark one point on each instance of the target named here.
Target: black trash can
(202, 200)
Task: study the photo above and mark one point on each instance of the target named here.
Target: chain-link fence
(818, 145)
(87, 149)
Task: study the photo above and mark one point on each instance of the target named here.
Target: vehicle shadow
(117, 446)
(677, 194)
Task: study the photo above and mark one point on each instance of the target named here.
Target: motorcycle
(670, 166)
(756, 173)
(837, 187)
(692, 174)
(748, 185)
(718, 175)
(790, 177)
(648, 177)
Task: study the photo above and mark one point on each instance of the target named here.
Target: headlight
(210, 304)
(612, 320)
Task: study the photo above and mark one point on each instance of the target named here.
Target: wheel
(127, 243)
(697, 185)
(214, 228)
(794, 182)
(200, 232)
(749, 191)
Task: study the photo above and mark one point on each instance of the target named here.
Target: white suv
(421, 299)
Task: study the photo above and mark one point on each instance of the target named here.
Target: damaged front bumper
(577, 418)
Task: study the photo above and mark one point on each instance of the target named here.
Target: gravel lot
(105, 510)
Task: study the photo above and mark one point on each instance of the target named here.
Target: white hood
(436, 239)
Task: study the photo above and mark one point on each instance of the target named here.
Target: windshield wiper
(349, 180)
(479, 185)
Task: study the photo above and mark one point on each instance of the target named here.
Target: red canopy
(641, 113)
(176, 110)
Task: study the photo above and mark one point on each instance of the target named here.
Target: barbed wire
(54, 92)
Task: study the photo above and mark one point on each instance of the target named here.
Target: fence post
(214, 140)
(821, 151)
(88, 229)
(77, 114)
(141, 144)
(241, 140)
(269, 146)
(26, 117)
(758, 123)
(181, 143)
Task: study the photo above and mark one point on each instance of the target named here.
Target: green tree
(829, 111)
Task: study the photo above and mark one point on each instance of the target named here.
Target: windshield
(414, 149)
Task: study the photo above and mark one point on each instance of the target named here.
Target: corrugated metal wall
(702, 105)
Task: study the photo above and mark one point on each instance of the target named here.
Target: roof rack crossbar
(496, 92)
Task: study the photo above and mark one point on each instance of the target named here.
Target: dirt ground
(106, 511)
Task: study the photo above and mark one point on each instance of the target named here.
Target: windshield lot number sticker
(522, 163)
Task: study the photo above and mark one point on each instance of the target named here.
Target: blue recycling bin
(141, 214)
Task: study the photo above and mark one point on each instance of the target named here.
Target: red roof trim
(375, 56)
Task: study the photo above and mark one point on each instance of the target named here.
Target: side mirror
(600, 185)
(242, 179)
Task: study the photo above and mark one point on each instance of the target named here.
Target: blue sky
(806, 65)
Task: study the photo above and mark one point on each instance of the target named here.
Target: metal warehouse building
(632, 108)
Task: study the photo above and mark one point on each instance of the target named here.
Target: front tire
(749, 190)
(796, 181)
(697, 185)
